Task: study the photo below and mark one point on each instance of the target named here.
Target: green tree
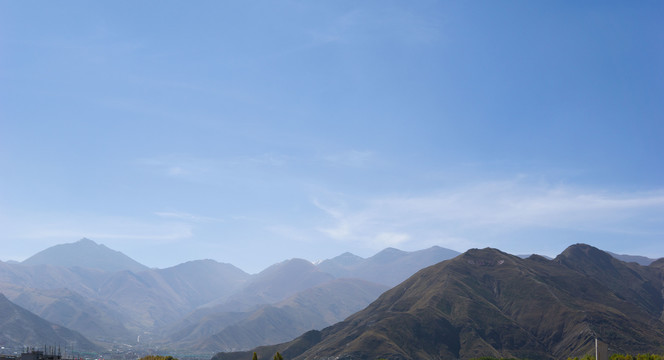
(278, 356)
(255, 357)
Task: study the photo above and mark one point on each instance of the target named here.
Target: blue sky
(252, 132)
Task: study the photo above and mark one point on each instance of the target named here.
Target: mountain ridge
(475, 305)
(85, 253)
(21, 327)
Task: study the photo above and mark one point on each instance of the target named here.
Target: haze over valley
(205, 307)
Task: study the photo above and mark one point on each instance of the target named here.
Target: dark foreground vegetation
(624, 357)
(157, 357)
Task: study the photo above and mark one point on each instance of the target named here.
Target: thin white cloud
(201, 170)
(67, 227)
(182, 167)
(178, 215)
(291, 233)
(351, 158)
(500, 206)
(265, 159)
(394, 24)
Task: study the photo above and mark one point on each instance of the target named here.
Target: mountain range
(435, 303)
(489, 303)
(199, 305)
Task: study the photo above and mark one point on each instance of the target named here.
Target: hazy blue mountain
(84, 281)
(390, 266)
(155, 299)
(69, 309)
(524, 256)
(641, 260)
(202, 281)
(21, 328)
(276, 283)
(270, 286)
(313, 308)
(85, 253)
(123, 301)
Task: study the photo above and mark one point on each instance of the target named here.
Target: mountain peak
(86, 241)
(87, 254)
(387, 254)
(585, 254)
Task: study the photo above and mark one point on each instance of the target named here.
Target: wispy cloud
(74, 227)
(182, 167)
(68, 227)
(177, 215)
(394, 24)
(351, 158)
(500, 206)
(197, 169)
(265, 159)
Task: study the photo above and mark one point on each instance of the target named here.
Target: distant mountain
(489, 303)
(202, 281)
(524, 256)
(270, 286)
(148, 300)
(641, 260)
(228, 318)
(313, 308)
(85, 253)
(67, 308)
(275, 283)
(23, 328)
(390, 266)
(81, 280)
(155, 299)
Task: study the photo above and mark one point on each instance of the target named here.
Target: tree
(255, 357)
(278, 356)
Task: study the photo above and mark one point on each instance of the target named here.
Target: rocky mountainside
(21, 327)
(489, 303)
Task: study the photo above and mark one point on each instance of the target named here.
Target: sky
(251, 132)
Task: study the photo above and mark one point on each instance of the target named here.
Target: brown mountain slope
(488, 303)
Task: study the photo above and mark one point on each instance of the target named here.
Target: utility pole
(601, 350)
